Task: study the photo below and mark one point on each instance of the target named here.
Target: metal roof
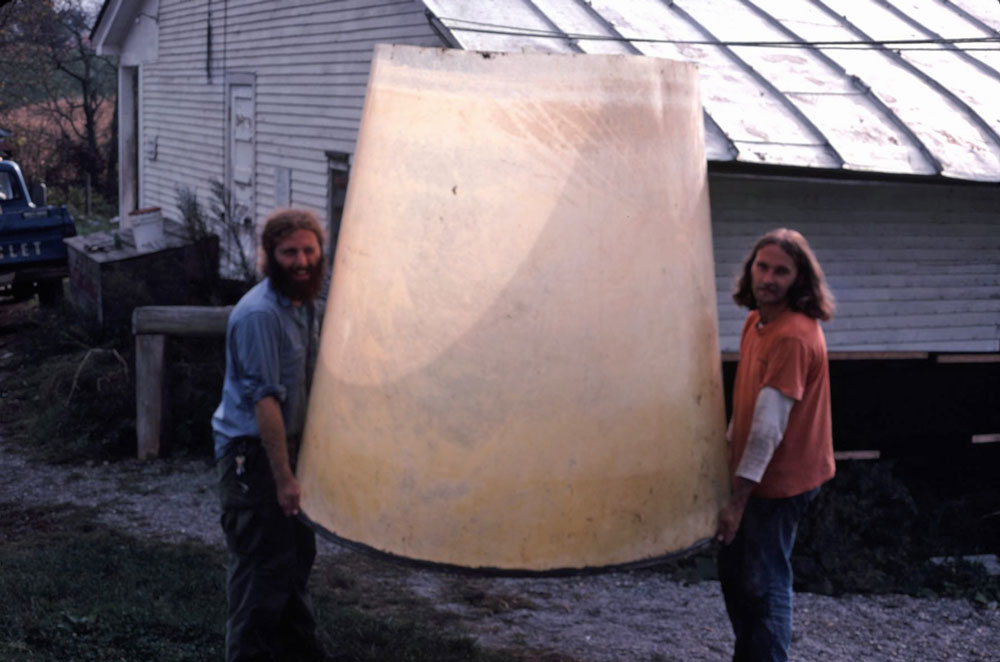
(893, 86)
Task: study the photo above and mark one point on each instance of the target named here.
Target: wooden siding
(914, 266)
(310, 60)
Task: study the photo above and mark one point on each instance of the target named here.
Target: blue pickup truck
(33, 257)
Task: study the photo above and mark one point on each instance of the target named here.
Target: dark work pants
(755, 571)
(270, 558)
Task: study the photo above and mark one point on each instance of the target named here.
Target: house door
(240, 250)
(241, 152)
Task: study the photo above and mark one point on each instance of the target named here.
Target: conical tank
(519, 366)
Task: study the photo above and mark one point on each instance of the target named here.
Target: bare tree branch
(50, 64)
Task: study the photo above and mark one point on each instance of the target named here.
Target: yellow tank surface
(519, 367)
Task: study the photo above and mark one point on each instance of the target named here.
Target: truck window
(8, 191)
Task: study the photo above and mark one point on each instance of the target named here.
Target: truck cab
(33, 257)
(13, 193)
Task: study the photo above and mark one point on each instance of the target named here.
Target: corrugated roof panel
(878, 140)
(577, 18)
(574, 18)
(809, 156)
(730, 93)
(487, 27)
(963, 147)
(852, 103)
(790, 68)
(718, 147)
(939, 124)
(937, 15)
(984, 10)
(866, 140)
(952, 70)
(942, 18)
(976, 88)
(468, 26)
(841, 110)
(937, 20)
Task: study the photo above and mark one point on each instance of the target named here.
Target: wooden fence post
(151, 325)
(149, 351)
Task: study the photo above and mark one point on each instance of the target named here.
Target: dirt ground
(640, 615)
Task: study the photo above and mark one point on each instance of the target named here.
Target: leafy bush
(236, 230)
(874, 528)
(69, 388)
(858, 534)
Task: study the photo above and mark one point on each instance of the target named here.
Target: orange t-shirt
(789, 355)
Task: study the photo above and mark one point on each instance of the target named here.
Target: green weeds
(73, 589)
(68, 390)
(874, 527)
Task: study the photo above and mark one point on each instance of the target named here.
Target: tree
(53, 73)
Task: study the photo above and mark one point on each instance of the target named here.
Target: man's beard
(297, 290)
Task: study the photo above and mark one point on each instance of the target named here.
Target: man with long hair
(271, 342)
(781, 446)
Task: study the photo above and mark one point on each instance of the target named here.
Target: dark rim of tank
(699, 546)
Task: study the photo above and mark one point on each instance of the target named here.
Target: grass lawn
(74, 589)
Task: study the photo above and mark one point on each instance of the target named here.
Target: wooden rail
(151, 325)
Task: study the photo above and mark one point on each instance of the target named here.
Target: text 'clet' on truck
(33, 257)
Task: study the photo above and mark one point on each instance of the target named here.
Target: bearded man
(271, 341)
(781, 445)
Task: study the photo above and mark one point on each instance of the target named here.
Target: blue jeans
(755, 571)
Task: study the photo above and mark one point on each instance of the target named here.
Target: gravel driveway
(638, 615)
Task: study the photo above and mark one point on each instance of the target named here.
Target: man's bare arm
(272, 434)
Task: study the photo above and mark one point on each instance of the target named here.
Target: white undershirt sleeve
(770, 418)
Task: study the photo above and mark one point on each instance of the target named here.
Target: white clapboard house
(873, 126)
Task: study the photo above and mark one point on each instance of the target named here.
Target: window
(9, 190)
(339, 172)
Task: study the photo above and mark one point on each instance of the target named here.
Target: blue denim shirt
(270, 351)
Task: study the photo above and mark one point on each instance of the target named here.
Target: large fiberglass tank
(519, 367)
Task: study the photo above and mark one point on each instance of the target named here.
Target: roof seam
(787, 143)
(441, 29)
(552, 24)
(916, 25)
(969, 17)
(586, 6)
(764, 82)
(816, 93)
(731, 147)
(708, 119)
(857, 83)
(916, 71)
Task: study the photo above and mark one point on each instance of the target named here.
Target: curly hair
(809, 294)
(279, 225)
